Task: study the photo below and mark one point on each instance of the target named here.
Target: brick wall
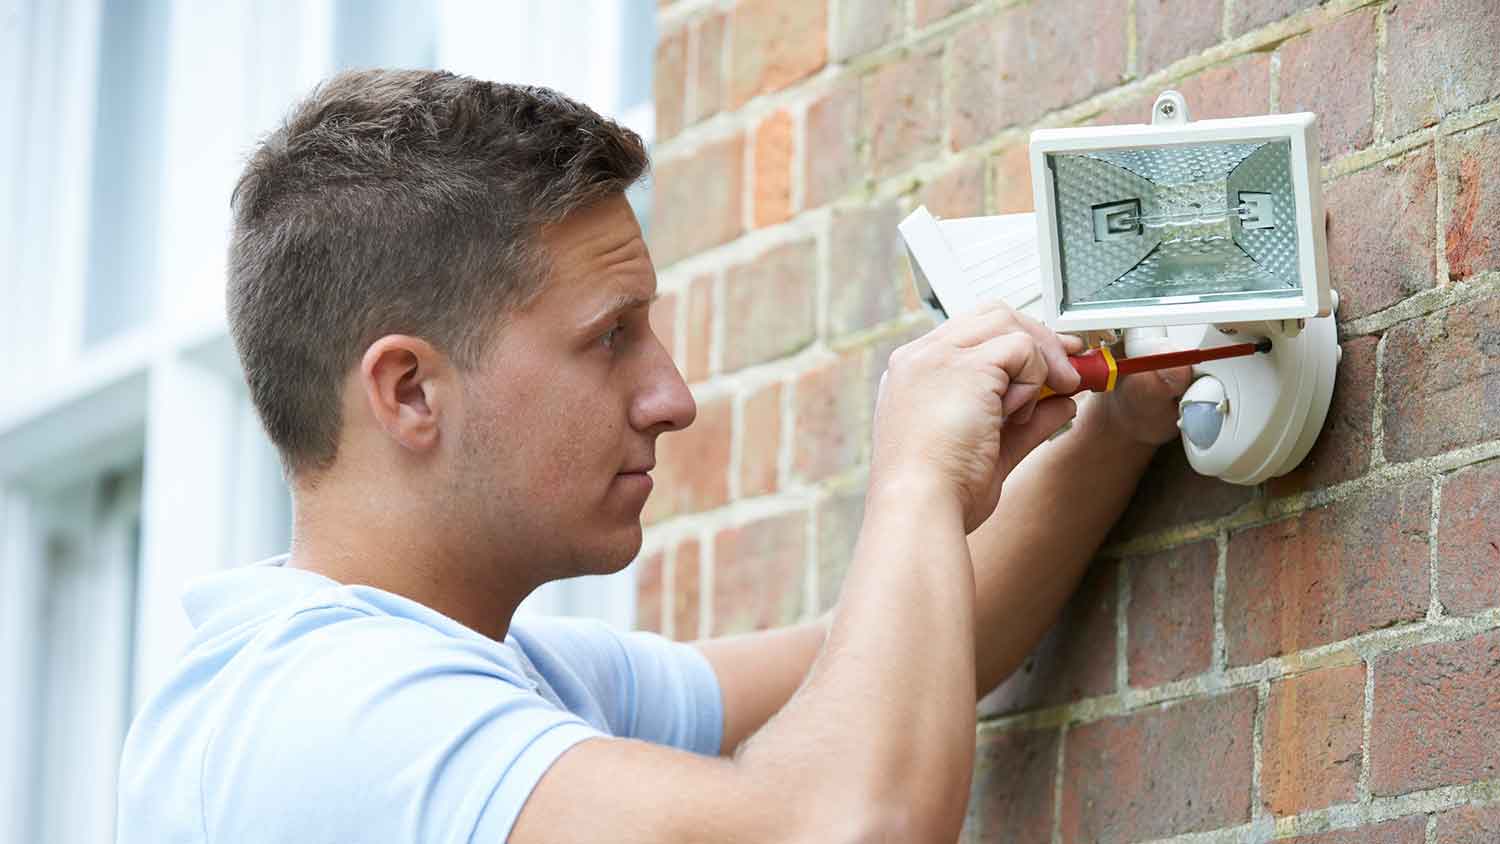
(1313, 660)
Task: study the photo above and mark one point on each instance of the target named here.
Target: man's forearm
(1056, 508)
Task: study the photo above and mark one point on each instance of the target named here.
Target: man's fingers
(1023, 435)
(990, 320)
(1019, 356)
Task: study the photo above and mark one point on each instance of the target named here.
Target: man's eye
(612, 337)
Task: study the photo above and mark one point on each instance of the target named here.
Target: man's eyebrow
(618, 305)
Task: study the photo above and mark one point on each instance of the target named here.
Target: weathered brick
(669, 83)
(1076, 659)
(1446, 52)
(901, 112)
(1011, 795)
(862, 27)
(833, 410)
(774, 44)
(928, 11)
(1342, 451)
(831, 160)
(1238, 88)
(1244, 17)
(1468, 566)
(1171, 493)
(706, 85)
(840, 516)
(1469, 825)
(1010, 180)
(698, 329)
(758, 573)
(649, 597)
(956, 193)
(1328, 574)
(769, 305)
(1312, 740)
(1470, 232)
(692, 465)
(1013, 63)
(1331, 71)
(760, 441)
(1167, 30)
(1160, 772)
(1382, 245)
(1434, 719)
(864, 269)
(1443, 380)
(686, 597)
(1171, 620)
(1412, 830)
(773, 159)
(697, 200)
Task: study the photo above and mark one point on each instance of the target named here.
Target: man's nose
(664, 403)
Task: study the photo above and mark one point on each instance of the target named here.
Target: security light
(1186, 235)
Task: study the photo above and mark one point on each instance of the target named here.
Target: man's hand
(1143, 407)
(958, 407)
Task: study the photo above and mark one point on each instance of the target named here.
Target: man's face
(561, 418)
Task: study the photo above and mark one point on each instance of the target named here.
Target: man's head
(414, 257)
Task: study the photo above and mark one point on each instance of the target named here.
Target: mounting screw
(1168, 109)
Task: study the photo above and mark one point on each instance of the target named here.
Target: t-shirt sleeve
(358, 730)
(649, 687)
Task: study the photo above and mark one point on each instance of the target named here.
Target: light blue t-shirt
(309, 711)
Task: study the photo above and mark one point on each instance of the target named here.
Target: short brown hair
(399, 202)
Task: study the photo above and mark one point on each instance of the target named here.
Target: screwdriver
(1100, 370)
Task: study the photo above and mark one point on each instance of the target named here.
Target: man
(440, 298)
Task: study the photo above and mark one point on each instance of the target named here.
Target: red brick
(706, 91)
(1010, 180)
(1442, 376)
(931, 10)
(1468, 566)
(902, 113)
(686, 596)
(1434, 719)
(1331, 72)
(1328, 574)
(831, 160)
(769, 305)
(1031, 59)
(862, 27)
(1470, 232)
(697, 200)
(840, 516)
(1342, 451)
(833, 411)
(1160, 772)
(864, 269)
(1238, 88)
(774, 43)
(1167, 30)
(1244, 17)
(1312, 740)
(1382, 245)
(956, 193)
(1076, 659)
(1011, 795)
(760, 441)
(1469, 825)
(1171, 619)
(1412, 830)
(1446, 52)
(772, 200)
(692, 465)
(669, 83)
(758, 573)
(698, 329)
(1172, 494)
(649, 600)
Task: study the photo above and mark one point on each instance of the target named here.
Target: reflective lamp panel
(1206, 222)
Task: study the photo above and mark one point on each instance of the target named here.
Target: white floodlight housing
(1185, 235)
(1178, 222)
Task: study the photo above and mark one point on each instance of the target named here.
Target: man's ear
(406, 384)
